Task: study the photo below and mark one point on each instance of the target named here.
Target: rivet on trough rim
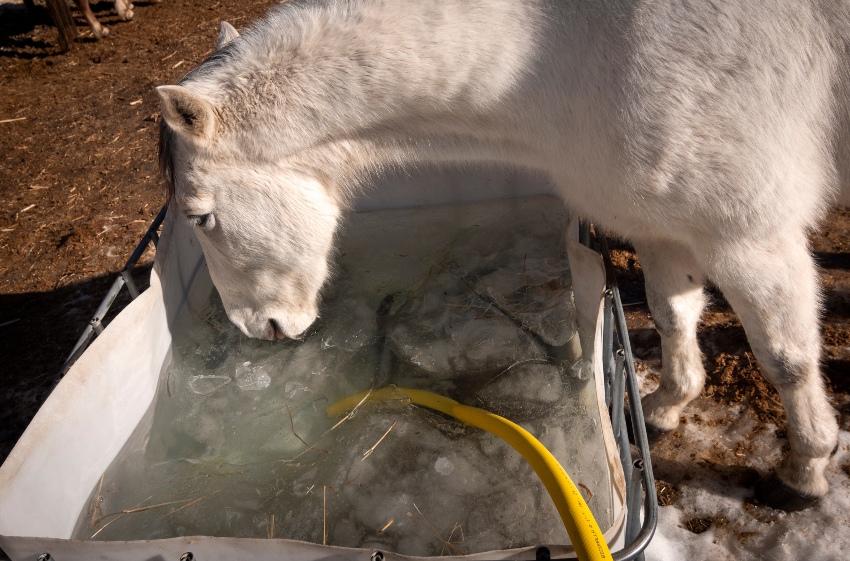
(188, 556)
(44, 557)
(609, 293)
(638, 464)
(621, 352)
(378, 556)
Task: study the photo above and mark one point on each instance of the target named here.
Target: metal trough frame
(620, 383)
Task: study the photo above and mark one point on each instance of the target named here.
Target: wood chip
(12, 120)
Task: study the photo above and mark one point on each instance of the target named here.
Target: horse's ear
(226, 34)
(186, 112)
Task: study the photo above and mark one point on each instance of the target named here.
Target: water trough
(112, 388)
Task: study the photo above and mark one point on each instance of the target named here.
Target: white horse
(710, 134)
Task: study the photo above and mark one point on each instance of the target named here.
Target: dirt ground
(79, 185)
(78, 176)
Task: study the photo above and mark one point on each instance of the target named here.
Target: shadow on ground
(37, 332)
(30, 34)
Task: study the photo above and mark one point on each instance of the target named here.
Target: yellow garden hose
(584, 532)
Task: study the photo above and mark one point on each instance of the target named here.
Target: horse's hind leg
(772, 286)
(674, 291)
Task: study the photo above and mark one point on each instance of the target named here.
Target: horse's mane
(166, 135)
(166, 158)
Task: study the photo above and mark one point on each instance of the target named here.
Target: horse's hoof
(100, 31)
(654, 434)
(124, 9)
(773, 492)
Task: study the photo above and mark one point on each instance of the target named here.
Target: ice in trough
(472, 301)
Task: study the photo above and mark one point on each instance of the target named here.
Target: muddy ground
(79, 185)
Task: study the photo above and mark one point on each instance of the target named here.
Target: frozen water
(252, 377)
(529, 389)
(582, 369)
(471, 301)
(203, 384)
(446, 329)
(444, 466)
(538, 294)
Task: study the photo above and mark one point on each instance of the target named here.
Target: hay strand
(368, 452)
(324, 515)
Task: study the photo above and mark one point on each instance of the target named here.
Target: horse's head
(266, 227)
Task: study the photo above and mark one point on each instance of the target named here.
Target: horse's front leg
(674, 291)
(772, 286)
(100, 31)
(124, 8)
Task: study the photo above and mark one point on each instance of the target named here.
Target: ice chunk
(206, 384)
(528, 390)
(467, 346)
(448, 332)
(538, 296)
(582, 369)
(353, 326)
(252, 376)
(444, 466)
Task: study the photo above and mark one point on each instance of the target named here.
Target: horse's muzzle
(276, 330)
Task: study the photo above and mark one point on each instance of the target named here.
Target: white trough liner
(47, 479)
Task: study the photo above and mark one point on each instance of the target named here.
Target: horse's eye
(205, 221)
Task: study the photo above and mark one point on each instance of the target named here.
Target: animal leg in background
(124, 8)
(99, 30)
(772, 285)
(674, 290)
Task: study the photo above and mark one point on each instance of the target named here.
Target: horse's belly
(594, 185)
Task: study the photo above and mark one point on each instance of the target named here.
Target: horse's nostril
(276, 330)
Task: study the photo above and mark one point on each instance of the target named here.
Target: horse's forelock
(166, 158)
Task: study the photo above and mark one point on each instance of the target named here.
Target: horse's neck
(351, 164)
(394, 81)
